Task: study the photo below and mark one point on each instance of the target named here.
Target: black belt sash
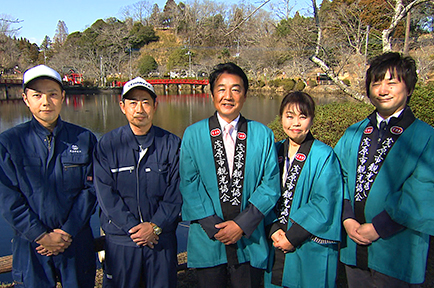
(230, 188)
(372, 153)
(283, 206)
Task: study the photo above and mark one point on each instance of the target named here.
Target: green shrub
(275, 82)
(146, 64)
(299, 86)
(347, 82)
(287, 84)
(312, 83)
(333, 119)
(422, 103)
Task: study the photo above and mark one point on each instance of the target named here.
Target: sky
(40, 18)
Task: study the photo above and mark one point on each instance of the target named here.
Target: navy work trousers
(131, 267)
(75, 267)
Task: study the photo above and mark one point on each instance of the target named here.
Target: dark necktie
(382, 129)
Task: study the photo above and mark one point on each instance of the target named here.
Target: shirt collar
(223, 123)
(132, 141)
(41, 130)
(379, 118)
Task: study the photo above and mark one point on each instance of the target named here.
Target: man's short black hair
(230, 68)
(399, 66)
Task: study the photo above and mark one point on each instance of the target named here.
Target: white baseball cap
(41, 71)
(141, 83)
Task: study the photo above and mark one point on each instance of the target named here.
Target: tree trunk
(407, 33)
(324, 67)
(400, 12)
(346, 89)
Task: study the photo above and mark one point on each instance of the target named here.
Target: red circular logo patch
(396, 130)
(300, 157)
(216, 132)
(369, 130)
(280, 159)
(242, 136)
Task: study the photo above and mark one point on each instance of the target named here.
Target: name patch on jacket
(74, 149)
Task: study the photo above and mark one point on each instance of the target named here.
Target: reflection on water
(100, 113)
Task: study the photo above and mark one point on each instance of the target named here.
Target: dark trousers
(75, 267)
(134, 267)
(358, 278)
(236, 276)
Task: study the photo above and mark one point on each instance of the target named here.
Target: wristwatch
(157, 230)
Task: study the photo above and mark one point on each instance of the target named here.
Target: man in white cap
(46, 190)
(137, 179)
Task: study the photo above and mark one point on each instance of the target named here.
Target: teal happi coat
(317, 207)
(404, 188)
(200, 193)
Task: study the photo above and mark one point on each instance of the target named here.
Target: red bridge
(166, 82)
(178, 81)
(11, 81)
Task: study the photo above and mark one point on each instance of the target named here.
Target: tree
(141, 35)
(422, 19)
(400, 11)
(9, 54)
(154, 19)
(61, 33)
(178, 58)
(318, 61)
(138, 12)
(45, 47)
(346, 24)
(100, 49)
(29, 53)
(146, 64)
(283, 9)
(170, 13)
(6, 23)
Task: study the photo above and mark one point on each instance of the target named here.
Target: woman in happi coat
(307, 225)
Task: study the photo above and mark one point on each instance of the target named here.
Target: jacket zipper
(142, 153)
(71, 166)
(49, 138)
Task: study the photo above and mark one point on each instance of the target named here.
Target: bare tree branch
(346, 89)
(324, 67)
(401, 11)
(247, 18)
(5, 25)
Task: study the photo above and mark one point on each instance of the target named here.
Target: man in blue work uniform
(46, 190)
(137, 179)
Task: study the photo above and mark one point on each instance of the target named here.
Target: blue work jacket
(46, 178)
(131, 190)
